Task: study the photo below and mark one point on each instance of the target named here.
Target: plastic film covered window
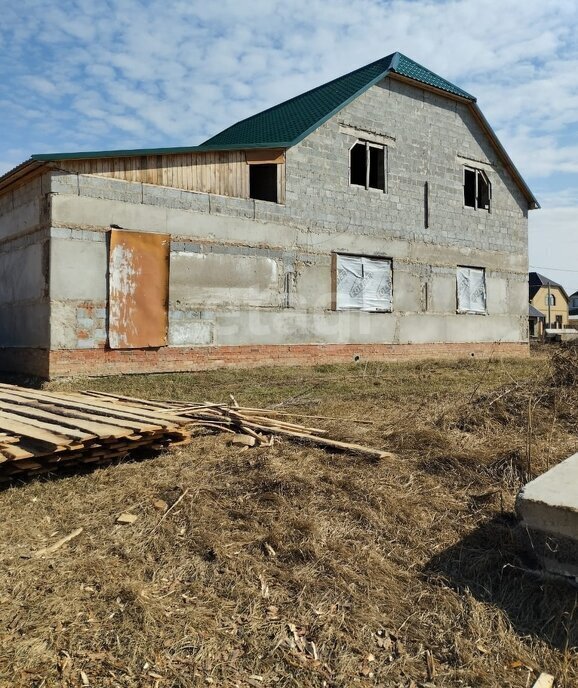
(363, 283)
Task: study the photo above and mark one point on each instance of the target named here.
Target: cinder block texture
(429, 132)
(548, 512)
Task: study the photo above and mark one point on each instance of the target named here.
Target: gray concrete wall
(251, 272)
(24, 265)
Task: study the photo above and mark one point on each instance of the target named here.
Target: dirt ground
(292, 566)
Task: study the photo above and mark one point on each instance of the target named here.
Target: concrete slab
(548, 512)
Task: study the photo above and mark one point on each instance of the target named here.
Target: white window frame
(340, 304)
(461, 269)
(368, 146)
(477, 171)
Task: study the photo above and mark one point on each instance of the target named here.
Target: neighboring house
(573, 305)
(550, 298)
(536, 320)
(376, 216)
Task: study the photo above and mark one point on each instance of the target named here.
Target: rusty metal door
(138, 289)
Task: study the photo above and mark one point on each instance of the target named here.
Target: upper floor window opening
(368, 165)
(477, 189)
(550, 300)
(263, 182)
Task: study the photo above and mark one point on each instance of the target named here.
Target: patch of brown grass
(290, 566)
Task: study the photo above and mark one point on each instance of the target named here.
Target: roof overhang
(20, 173)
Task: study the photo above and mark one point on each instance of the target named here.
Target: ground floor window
(363, 283)
(471, 290)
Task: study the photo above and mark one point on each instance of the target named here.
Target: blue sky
(85, 75)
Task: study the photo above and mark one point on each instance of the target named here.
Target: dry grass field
(293, 566)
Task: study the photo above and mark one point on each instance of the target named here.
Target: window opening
(471, 288)
(483, 191)
(376, 168)
(363, 283)
(358, 167)
(263, 182)
(470, 188)
(477, 189)
(367, 163)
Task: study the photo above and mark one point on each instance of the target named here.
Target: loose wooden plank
(326, 442)
(123, 424)
(161, 405)
(14, 452)
(101, 408)
(58, 544)
(6, 411)
(145, 414)
(12, 423)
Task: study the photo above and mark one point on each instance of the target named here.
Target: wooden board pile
(257, 427)
(41, 432)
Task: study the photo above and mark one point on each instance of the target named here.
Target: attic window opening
(367, 165)
(550, 300)
(477, 189)
(263, 182)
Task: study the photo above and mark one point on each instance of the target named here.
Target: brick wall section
(182, 359)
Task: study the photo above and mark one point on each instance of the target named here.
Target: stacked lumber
(42, 431)
(253, 426)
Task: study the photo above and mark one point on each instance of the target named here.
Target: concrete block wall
(24, 270)
(427, 133)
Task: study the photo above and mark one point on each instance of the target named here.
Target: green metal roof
(412, 70)
(286, 124)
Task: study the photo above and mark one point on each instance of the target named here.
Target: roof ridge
(544, 280)
(439, 79)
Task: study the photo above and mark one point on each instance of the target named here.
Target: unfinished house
(374, 217)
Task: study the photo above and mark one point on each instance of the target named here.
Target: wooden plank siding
(225, 173)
